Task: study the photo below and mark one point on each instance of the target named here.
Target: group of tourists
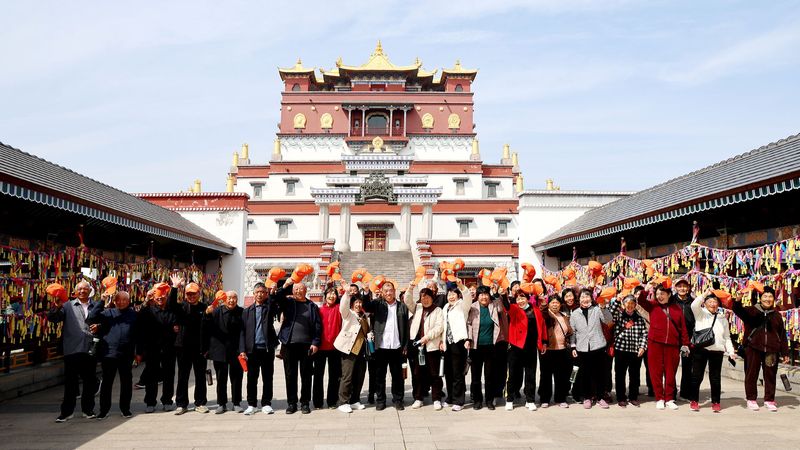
(499, 333)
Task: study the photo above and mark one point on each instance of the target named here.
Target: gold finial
(235, 162)
(417, 61)
(197, 187)
(339, 62)
(276, 147)
(229, 184)
(458, 65)
(378, 49)
(550, 186)
(475, 147)
(245, 151)
(506, 151)
(520, 183)
(515, 159)
(299, 63)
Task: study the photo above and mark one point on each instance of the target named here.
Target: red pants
(663, 360)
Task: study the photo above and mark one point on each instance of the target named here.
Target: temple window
(459, 88)
(502, 226)
(463, 226)
(295, 87)
(283, 227)
(258, 190)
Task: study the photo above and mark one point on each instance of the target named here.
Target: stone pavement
(28, 422)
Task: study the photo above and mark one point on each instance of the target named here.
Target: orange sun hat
(110, 284)
(607, 294)
(458, 264)
(162, 289)
(724, 298)
(485, 276)
(648, 267)
(276, 273)
(753, 285)
(419, 274)
(301, 271)
(376, 283)
(568, 273)
(220, 297)
(56, 290)
(595, 268)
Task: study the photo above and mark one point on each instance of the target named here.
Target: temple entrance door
(374, 240)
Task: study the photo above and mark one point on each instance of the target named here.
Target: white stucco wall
(230, 227)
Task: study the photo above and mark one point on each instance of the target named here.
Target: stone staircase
(398, 266)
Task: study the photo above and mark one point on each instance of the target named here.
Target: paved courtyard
(28, 423)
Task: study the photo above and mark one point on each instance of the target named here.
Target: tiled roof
(773, 162)
(27, 176)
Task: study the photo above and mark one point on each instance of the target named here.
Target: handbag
(704, 338)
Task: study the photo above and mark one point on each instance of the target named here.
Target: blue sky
(611, 95)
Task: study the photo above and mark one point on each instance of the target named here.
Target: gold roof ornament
(245, 154)
(515, 159)
(506, 151)
(378, 61)
(298, 69)
(235, 161)
(229, 184)
(459, 70)
(520, 183)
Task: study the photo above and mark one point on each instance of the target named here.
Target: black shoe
(89, 415)
(490, 406)
(63, 418)
(477, 405)
(380, 406)
(399, 406)
(371, 399)
(127, 414)
(102, 416)
(291, 409)
(317, 406)
(305, 409)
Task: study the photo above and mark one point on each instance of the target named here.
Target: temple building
(379, 166)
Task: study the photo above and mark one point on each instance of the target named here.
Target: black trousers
(354, 367)
(188, 361)
(372, 369)
(393, 361)
(427, 376)
(647, 379)
(500, 370)
(222, 370)
(627, 363)
(296, 356)
(592, 376)
(700, 358)
(455, 360)
(687, 385)
(163, 363)
(555, 370)
(261, 361)
(79, 367)
(112, 366)
(333, 358)
(482, 363)
(521, 364)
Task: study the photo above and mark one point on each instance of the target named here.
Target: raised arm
(697, 306)
(344, 306)
(410, 299)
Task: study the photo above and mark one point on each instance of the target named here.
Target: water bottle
(574, 374)
(93, 347)
(420, 354)
(441, 366)
(371, 343)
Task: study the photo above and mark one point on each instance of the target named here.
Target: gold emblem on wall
(427, 121)
(453, 121)
(299, 121)
(377, 144)
(326, 121)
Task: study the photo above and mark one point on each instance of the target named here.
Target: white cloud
(768, 50)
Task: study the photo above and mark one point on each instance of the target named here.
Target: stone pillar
(349, 122)
(344, 229)
(405, 116)
(363, 122)
(405, 233)
(427, 220)
(391, 114)
(324, 221)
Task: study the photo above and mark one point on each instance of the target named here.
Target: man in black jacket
(117, 328)
(189, 346)
(157, 343)
(257, 343)
(300, 336)
(222, 331)
(390, 328)
(684, 299)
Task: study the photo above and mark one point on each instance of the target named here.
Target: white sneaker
(267, 409)
(180, 411)
(671, 405)
(445, 405)
(417, 404)
(660, 404)
(456, 408)
(545, 405)
(509, 406)
(238, 409)
(357, 406)
(345, 408)
(437, 405)
(531, 406)
(249, 411)
(202, 409)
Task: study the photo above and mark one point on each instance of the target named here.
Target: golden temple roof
(458, 70)
(297, 69)
(379, 61)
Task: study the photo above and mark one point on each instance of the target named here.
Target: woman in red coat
(527, 337)
(666, 341)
